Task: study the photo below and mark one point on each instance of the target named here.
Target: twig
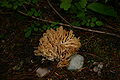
(82, 69)
(62, 24)
(57, 12)
(93, 55)
(116, 67)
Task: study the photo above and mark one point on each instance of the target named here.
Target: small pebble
(98, 67)
(40, 72)
(76, 62)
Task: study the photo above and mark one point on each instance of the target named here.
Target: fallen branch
(57, 12)
(62, 24)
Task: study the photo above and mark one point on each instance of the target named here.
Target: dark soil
(18, 62)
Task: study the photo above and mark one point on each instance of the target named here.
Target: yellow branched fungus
(58, 45)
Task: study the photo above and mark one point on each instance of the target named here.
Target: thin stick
(57, 12)
(81, 28)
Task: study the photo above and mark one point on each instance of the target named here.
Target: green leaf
(88, 20)
(9, 6)
(35, 29)
(99, 23)
(77, 6)
(76, 23)
(66, 4)
(34, 1)
(87, 24)
(102, 9)
(30, 13)
(45, 27)
(16, 4)
(39, 13)
(36, 13)
(28, 33)
(83, 22)
(21, 3)
(5, 4)
(54, 23)
(33, 9)
(73, 9)
(93, 19)
(15, 7)
(81, 15)
(37, 24)
(92, 24)
(83, 3)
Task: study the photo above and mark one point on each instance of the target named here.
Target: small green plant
(46, 27)
(35, 27)
(81, 9)
(92, 22)
(65, 4)
(16, 4)
(33, 12)
(102, 9)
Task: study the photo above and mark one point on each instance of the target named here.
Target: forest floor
(18, 62)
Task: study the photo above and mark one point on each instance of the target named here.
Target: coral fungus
(58, 45)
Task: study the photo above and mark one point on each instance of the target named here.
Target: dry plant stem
(82, 69)
(116, 67)
(57, 12)
(81, 28)
(93, 55)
